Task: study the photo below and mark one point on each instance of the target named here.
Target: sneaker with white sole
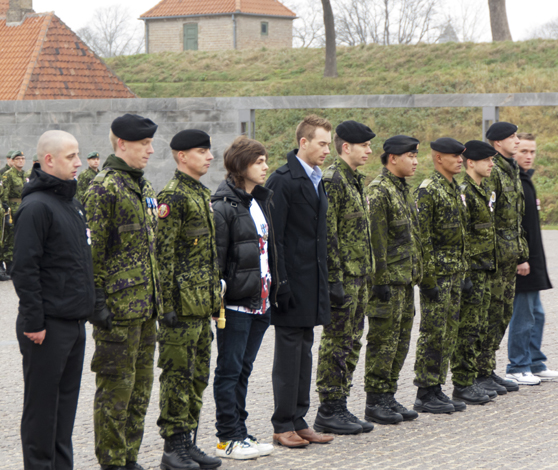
(237, 450)
(546, 374)
(524, 378)
(262, 448)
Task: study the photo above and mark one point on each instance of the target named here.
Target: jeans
(238, 345)
(525, 334)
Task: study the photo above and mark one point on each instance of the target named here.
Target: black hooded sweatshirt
(52, 265)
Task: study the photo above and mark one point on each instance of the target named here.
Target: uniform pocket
(197, 295)
(378, 309)
(111, 351)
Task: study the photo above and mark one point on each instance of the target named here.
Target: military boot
(378, 409)
(457, 405)
(408, 415)
(470, 394)
(331, 418)
(175, 455)
(428, 402)
(480, 389)
(9, 265)
(199, 456)
(366, 426)
(3, 274)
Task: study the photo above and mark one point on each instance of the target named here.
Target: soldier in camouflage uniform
(441, 212)
(9, 163)
(512, 250)
(4, 213)
(85, 177)
(473, 317)
(187, 255)
(122, 215)
(397, 252)
(350, 265)
(13, 181)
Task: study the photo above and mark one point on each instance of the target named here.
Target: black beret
(500, 131)
(447, 145)
(93, 155)
(478, 150)
(133, 127)
(400, 144)
(191, 139)
(354, 132)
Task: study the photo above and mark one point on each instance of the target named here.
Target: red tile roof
(43, 59)
(167, 8)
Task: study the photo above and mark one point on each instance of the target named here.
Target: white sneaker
(524, 378)
(238, 450)
(547, 374)
(263, 449)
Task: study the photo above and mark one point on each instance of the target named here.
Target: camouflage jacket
(122, 217)
(480, 223)
(348, 229)
(13, 182)
(5, 168)
(395, 231)
(83, 181)
(442, 219)
(186, 248)
(511, 244)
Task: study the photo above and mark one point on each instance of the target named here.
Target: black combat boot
(331, 418)
(440, 395)
(378, 409)
(199, 456)
(3, 274)
(175, 456)
(112, 467)
(366, 426)
(470, 394)
(9, 265)
(133, 466)
(480, 389)
(408, 415)
(428, 402)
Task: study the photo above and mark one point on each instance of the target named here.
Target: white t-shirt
(263, 232)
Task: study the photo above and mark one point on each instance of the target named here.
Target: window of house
(265, 28)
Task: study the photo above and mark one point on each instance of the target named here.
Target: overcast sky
(523, 15)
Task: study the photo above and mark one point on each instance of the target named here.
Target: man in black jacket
(299, 219)
(53, 278)
(527, 361)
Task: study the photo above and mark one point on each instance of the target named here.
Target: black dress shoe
(470, 394)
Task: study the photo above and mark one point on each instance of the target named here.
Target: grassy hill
(519, 67)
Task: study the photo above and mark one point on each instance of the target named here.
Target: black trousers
(52, 377)
(291, 377)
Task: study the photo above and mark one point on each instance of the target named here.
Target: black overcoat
(299, 221)
(538, 278)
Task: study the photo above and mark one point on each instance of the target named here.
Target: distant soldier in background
(28, 172)
(9, 162)
(3, 222)
(350, 265)
(85, 177)
(397, 253)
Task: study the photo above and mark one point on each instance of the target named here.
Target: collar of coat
(450, 187)
(400, 183)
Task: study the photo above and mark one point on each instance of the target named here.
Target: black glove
(382, 292)
(336, 293)
(101, 314)
(169, 319)
(285, 301)
(432, 294)
(467, 286)
(5, 206)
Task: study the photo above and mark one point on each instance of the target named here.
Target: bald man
(53, 277)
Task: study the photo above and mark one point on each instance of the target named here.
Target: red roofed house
(42, 59)
(211, 25)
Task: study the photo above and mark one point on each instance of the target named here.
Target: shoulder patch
(377, 180)
(328, 174)
(171, 186)
(463, 187)
(101, 176)
(425, 183)
(163, 211)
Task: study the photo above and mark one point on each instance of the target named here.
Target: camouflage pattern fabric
(340, 343)
(5, 168)
(351, 262)
(12, 181)
(389, 334)
(83, 181)
(2, 219)
(123, 362)
(184, 357)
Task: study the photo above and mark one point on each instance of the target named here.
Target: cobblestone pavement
(518, 430)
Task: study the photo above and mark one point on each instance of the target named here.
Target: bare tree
(546, 31)
(111, 33)
(469, 19)
(330, 69)
(499, 20)
(308, 27)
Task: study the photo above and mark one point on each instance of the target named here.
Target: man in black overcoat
(302, 301)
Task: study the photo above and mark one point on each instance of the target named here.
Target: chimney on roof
(18, 9)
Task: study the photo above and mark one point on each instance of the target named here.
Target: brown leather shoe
(289, 439)
(311, 436)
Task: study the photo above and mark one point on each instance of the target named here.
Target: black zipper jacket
(52, 266)
(238, 245)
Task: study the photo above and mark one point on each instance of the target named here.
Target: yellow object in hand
(222, 320)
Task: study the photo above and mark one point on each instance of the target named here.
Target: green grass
(504, 67)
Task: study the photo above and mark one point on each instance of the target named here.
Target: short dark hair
(307, 127)
(242, 153)
(526, 136)
(384, 158)
(338, 142)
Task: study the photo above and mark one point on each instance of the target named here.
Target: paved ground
(519, 430)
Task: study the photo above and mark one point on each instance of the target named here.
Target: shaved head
(58, 154)
(52, 143)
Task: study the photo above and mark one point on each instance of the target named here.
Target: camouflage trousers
(123, 362)
(7, 244)
(389, 334)
(184, 357)
(499, 317)
(340, 343)
(439, 323)
(473, 327)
